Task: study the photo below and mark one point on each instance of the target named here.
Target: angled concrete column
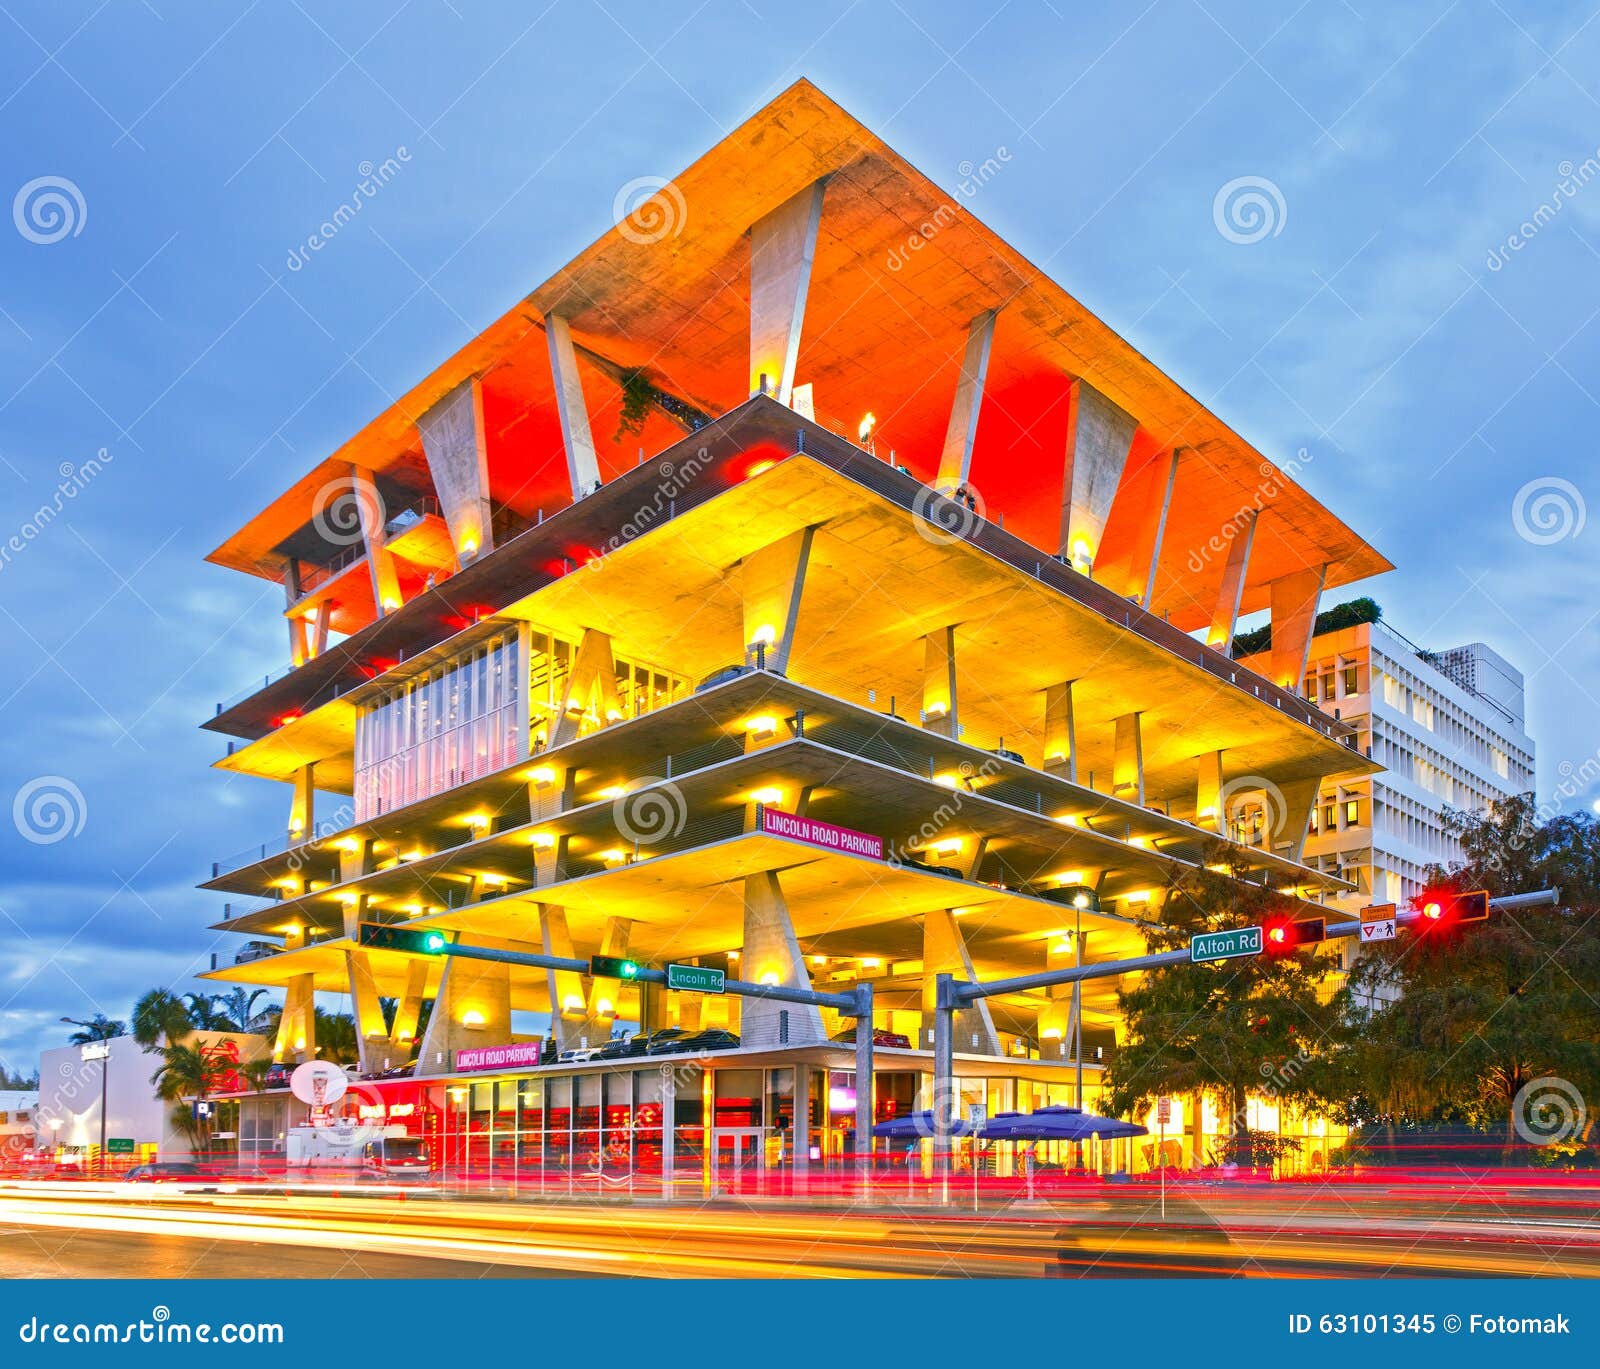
(1127, 774)
(604, 993)
(297, 1026)
(783, 245)
(955, 462)
(1208, 794)
(549, 790)
(771, 581)
(353, 912)
(1299, 798)
(770, 954)
(372, 1032)
(1225, 617)
(944, 951)
(1099, 437)
(299, 645)
(940, 704)
(1060, 732)
(355, 860)
(577, 437)
(1294, 620)
(408, 1010)
(549, 859)
(1150, 527)
(569, 1004)
(374, 537)
(458, 460)
(1055, 1018)
(302, 803)
(320, 617)
(472, 1008)
(591, 688)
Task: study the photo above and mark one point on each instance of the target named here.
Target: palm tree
(97, 1028)
(160, 1017)
(336, 1037)
(186, 1075)
(204, 1015)
(238, 1010)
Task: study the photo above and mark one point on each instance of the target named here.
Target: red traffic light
(1451, 908)
(1285, 934)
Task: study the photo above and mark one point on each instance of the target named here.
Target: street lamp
(105, 1070)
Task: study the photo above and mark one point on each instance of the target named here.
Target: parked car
(927, 868)
(720, 677)
(277, 1076)
(1007, 755)
(712, 1039)
(399, 1071)
(1070, 894)
(622, 1047)
(163, 1172)
(880, 1037)
(578, 1054)
(664, 1041)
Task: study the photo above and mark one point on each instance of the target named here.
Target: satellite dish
(318, 1082)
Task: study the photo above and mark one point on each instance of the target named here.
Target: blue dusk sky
(1417, 313)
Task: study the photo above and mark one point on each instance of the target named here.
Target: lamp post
(105, 1070)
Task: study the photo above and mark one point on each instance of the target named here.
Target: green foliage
(637, 396)
(1228, 1028)
(97, 1028)
(160, 1016)
(1349, 614)
(1450, 1026)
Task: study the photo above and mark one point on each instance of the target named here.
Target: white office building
(1447, 726)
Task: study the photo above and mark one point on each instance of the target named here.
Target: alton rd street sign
(1377, 923)
(1236, 941)
(696, 978)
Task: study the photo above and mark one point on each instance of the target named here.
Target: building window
(1352, 812)
(1352, 680)
(455, 722)
(1329, 822)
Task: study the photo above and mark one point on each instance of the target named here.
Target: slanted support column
(771, 581)
(302, 803)
(408, 1011)
(1208, 794)
(577, 437)
(1150, 527)
(783, 245)
(1294, 820)
(955, 462)
(1225, 617)
(591, 688)
(1127, 775)
(944, 951)
(550, 790)
(458, 460)
(374, 536)
(372, 1033)
(472, 1008)
(569, 1008)
(939, 701)
(297, 1027)
(604, 993)
(770, 954)
(320, 617)
(1055, 1022)
(1099, 438)
(299, 645)
(1294, 620)
(1060, 733)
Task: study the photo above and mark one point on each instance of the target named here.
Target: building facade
(18, 1110)
(766, 594)
(1449, 730)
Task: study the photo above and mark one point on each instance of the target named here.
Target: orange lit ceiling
(884, 331)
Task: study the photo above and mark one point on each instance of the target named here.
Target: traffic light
(1441, 908)
(1284, 935)
(416, 940)
(612, 967)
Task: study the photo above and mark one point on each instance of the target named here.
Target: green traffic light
(433, 941)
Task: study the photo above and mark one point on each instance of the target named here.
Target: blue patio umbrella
(915, 1126)
(1056, 1124)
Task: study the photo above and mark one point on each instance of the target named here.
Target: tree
(97, 1028)
(187, 1074)
(236, 1010)
(1227, 1028)
(1453, 1025)
(204, 1014)
(336, 1037)
(160, 1017)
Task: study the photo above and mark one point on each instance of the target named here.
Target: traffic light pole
(951, 995)
(857, 1004)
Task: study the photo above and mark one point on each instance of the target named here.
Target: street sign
(1377, 923)
(119, 1145)
(1163, 1111)
(1236, 941)
(696, 978)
